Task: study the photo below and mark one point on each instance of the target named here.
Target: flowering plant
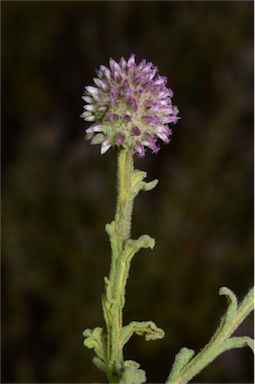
(130, 108)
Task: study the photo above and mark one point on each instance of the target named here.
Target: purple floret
(132, 105)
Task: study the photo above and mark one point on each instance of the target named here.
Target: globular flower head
(129, 106)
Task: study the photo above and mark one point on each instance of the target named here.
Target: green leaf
(147, 328)
(181, 359)
(232, 302)
(238, 342)
(95, 339)
(131, 364)
(109, 228)
(99, 364)
(137, 177)
(133, 246)
(150, 185)
(138, 184)
(133, 376)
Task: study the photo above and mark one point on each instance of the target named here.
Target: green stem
(108, 345)
(219, 343)
(120, 233)
(125, 197)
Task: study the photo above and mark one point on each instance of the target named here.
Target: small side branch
(186, 366)
(146, 328)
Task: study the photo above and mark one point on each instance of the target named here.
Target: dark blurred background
(58, 192)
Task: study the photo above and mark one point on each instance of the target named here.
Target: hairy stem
(219, 343)
(108, 344)
(120, 233)
(125, 198)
